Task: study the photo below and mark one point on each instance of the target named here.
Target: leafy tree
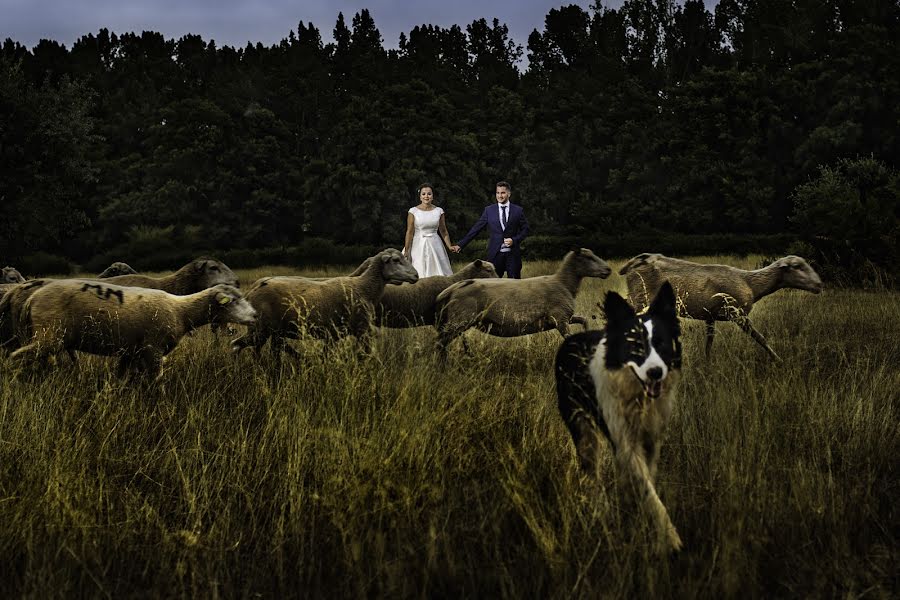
(46, 133)
(850, 218)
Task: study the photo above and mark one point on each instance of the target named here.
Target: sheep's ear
(664, 302)
(223, 299)
(478, 263)
(200, 265)
(617, 309)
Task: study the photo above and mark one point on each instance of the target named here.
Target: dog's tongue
(654, 389)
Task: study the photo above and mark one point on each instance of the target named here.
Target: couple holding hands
(427, 239)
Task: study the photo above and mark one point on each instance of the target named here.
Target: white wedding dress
(427, 252)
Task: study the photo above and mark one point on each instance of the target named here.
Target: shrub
(849, 221)
(41, 264)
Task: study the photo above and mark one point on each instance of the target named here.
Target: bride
(427, 239)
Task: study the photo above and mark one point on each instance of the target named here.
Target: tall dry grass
(397, 476)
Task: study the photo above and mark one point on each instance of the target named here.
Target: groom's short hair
(504, 184)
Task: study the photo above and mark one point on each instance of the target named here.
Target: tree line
(658, 116)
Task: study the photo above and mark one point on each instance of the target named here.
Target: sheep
(139, 325)
(116, 269)
(288, 305)
(413, 304)
(197, 275)
(716, 292)
(12, 299)
(11, 275)
(513, 307)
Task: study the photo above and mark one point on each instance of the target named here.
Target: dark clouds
(235, 22)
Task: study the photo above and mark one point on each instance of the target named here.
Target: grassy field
(396, 476)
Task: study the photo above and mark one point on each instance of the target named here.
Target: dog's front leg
(633, 465)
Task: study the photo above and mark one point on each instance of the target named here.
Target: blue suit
(516, 228)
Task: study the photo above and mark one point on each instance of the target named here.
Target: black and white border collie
(620, 381)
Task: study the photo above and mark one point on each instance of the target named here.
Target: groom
(508, 227)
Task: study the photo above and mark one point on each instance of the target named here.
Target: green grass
(395, 476)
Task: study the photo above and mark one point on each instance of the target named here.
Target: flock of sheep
(140, 319)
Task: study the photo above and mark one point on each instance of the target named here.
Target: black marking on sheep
(104, 292)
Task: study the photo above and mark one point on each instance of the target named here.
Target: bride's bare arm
(445, 235)
(410, 230)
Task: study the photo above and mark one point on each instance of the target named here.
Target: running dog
(620, 381)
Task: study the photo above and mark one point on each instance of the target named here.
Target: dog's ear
(616, 309)
(663, 304)
(664, 308)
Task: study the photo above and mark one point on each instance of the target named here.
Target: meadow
(394, 475)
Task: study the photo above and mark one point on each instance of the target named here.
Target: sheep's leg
(745, 324)
(289, 350)
(578, 320)
(72, 357)
(710, 334)
(124, 365)
(254, 338)
(216, 327)
(277, 347)
(467, 350)
(364, 347)
(242, 342)
(445, 338)
(35, 352)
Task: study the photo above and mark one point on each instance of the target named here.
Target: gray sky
(235, 22)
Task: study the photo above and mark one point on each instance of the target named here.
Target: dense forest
(763, 117)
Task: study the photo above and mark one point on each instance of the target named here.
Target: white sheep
(10, 275)
(413, 304)
(716, 292)
(139, 325)
(326, 309)
(513, 307)
(116, 269)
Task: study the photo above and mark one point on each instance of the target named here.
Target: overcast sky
(235, 22)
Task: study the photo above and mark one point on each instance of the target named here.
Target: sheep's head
(396, 268)
(229, 306)
(795, 272)
(11, 275)
(588, 264)
(210, 272)
(479, 269)
(116, 269)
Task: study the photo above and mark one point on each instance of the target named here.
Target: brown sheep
(139, 325)
(289, 305)
(116, 269)
(513, 307)
(11, 275)
(197, 275)
(413, 304)
(12, 300)
(716, 292)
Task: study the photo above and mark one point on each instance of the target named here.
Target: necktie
(503, 216)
